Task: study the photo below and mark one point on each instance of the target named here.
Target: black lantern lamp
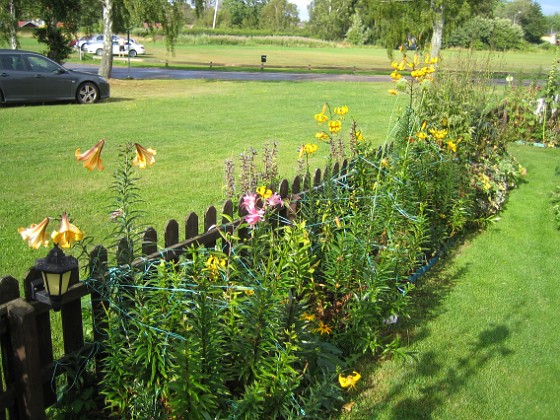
(56, 270)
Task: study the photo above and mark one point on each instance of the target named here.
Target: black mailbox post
(263, 58)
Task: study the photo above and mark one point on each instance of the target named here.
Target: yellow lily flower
(341, 110)
(35, 235)
(308, 149)
(335, 126)
(92, 157)
(68, 233)
(321, 135)
(144, 157)
(320, 118)
(349, 381)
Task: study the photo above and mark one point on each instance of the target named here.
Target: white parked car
(131, 48)
(82, 42)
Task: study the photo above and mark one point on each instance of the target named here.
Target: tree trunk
(437, 36)
(12, 26)
(107, 57)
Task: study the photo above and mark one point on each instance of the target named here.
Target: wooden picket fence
(28, 368)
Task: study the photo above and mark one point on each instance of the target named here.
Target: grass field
(529, 64)
(484, 329)
(193, 125)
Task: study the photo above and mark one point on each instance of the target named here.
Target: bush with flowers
(269, 322)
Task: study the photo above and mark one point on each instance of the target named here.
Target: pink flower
(254, 216)
(275, 200)
(249, 202)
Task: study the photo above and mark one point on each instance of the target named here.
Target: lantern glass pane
(56, 283)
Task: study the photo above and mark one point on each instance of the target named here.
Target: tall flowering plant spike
(92, 157)
(144, 157)
(68, 233)
(36, 234)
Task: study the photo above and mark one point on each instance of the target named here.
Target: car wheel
(99, 51)
(88, 93)
(132, 53)
(84, 47)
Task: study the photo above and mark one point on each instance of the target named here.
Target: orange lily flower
(144, 157)
(68, 233)
(36, 235)
(92, 158)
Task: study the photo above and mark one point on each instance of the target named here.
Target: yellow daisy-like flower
(92, 157)
(341, 110)
(323, 328)
(144, 157)
(307, 317)
(349, 381)
(385, 163)
(393, 92)
(321, 135)
(68, 233)
(421, 135)
(452, 146)
(264, 192)
(396, 75)
(335, 126)
(320, 118)
(35, 235)
(438, 134)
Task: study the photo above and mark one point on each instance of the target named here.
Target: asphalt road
(141, 73)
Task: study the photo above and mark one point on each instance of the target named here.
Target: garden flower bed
(270, 321)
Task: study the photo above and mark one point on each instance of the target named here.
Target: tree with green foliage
(358, 34)
(330, 19)
(528, 15)
(279, 15)
(553, 22)
(424, 19)
(9, 16)
(484, 33)
(61, 25)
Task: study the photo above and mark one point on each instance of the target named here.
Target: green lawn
(341, 56)
(484, 329)
(194, 126)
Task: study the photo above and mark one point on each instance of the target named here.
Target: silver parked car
(26, 76)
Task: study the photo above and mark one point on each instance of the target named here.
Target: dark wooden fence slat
(26, 359)
(149, 242)
(191, 225)
(317, 178)
(210, 221)
(171, 233)
(9, 289)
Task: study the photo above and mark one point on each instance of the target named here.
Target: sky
(549, 7)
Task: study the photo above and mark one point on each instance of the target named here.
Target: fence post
(29, 389)
(99, 304)
(9, 290)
